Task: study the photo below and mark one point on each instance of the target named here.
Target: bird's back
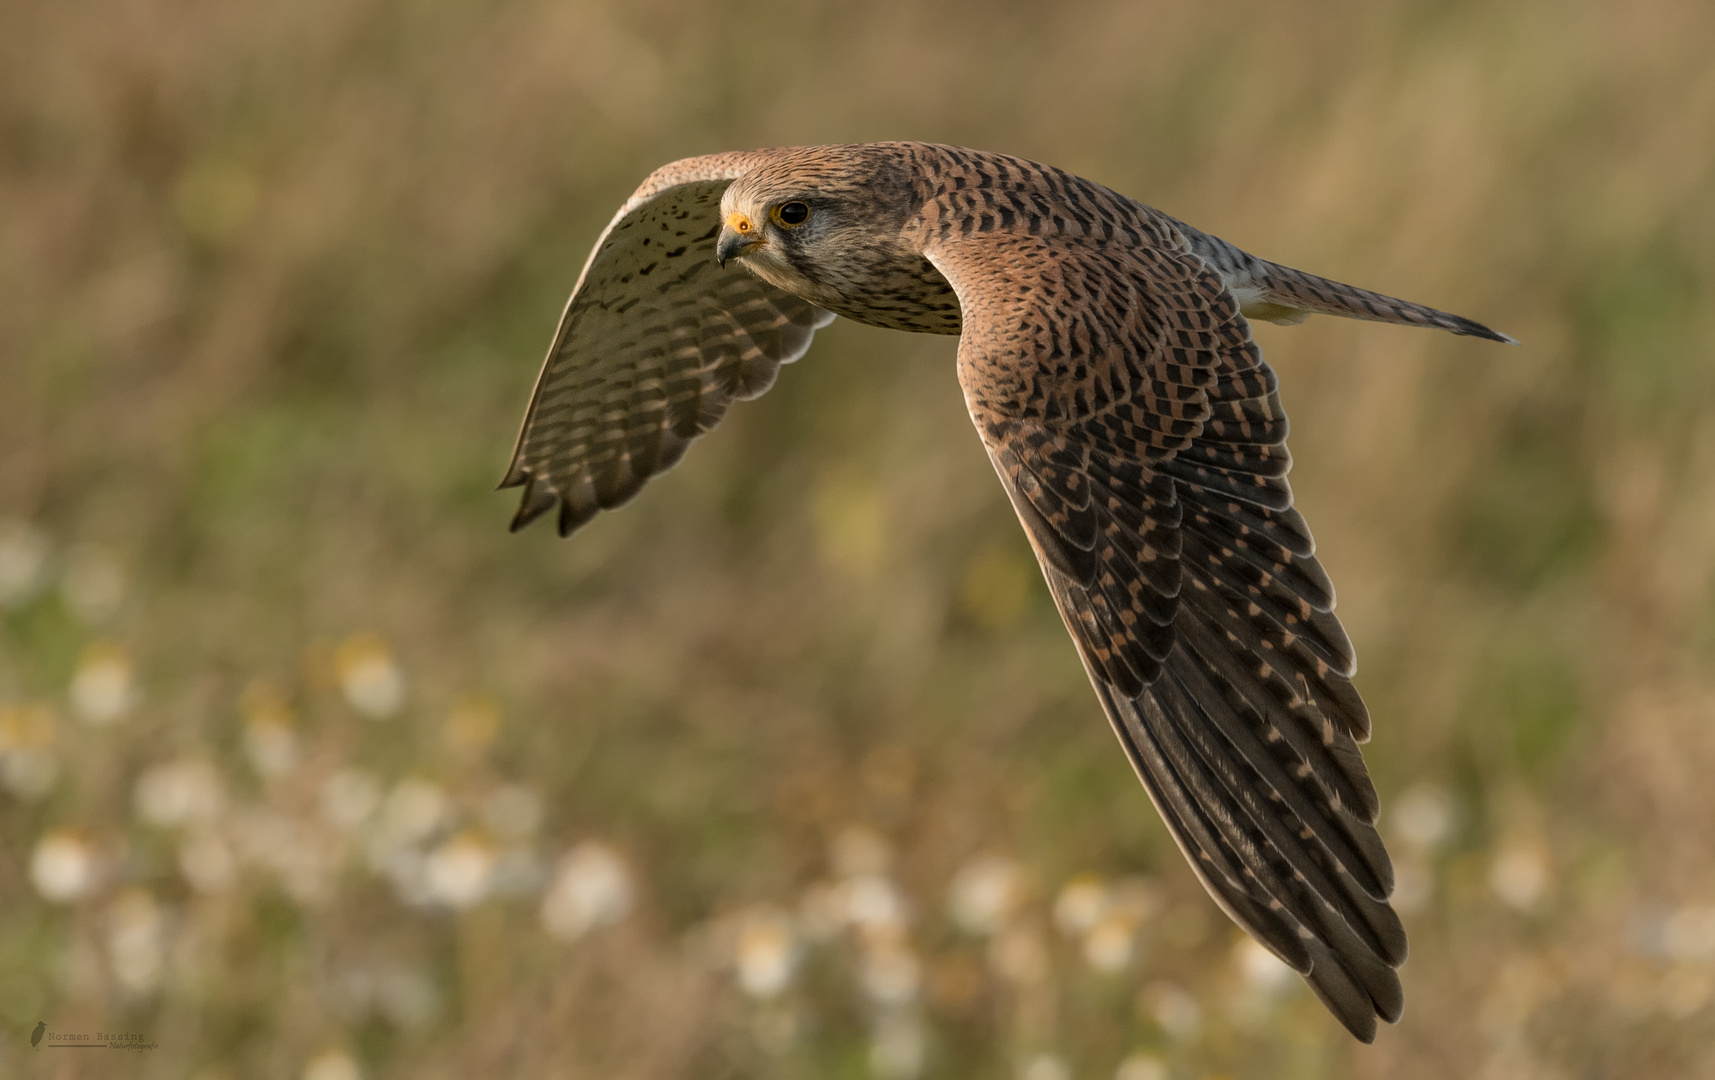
(967, 195)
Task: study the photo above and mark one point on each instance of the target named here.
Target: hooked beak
(738, 236)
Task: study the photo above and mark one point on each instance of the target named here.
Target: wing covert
(655, 343)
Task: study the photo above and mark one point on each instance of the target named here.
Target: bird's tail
(1279, 294)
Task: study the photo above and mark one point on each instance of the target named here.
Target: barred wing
(656, 341)
(1137, 430)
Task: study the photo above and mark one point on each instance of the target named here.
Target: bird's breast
(899, 294)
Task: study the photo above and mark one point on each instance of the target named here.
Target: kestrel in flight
(1106, 356)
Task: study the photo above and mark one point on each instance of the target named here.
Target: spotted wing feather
(655, 343)
(1138, 431)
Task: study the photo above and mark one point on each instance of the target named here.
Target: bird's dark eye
(792, 213)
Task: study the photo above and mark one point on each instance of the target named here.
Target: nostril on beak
(738, 235)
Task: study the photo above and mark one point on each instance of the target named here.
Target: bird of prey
(1106, 356)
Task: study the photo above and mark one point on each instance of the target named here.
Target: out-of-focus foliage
(788, 769)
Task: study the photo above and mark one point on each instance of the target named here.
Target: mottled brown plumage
(1107, 360)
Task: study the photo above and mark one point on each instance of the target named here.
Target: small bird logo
(36, 1035)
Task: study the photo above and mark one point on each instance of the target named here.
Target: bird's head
(746, 231)
(819, 222)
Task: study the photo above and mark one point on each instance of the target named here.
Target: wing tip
(1471, 328)
(1357, 1003)
(538, 498)
(516, 474)
(572, 517)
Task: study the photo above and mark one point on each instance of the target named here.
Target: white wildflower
(766, 952)
(269, 735)
(1423, 816)
(368, 676)
(874, 904)
(984, 893)
(899, 1045)
(136, 941)
(349, 797)
(1081, 904)
(23, 558)
(593, 888)
(332, 1065)
(458, 872)
(891, 974)
(178, 792)
(1176, 1011)
(101, 688)
(1264, 972)
(1045, 1067)
(1109, 944)
(1520, 874)
(1141, 1066)
(63, 867)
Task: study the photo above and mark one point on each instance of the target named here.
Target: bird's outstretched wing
(656, 341)
(1137, 430)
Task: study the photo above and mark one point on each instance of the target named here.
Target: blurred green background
(788, 769)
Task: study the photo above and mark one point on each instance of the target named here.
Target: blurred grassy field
(788, 769)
